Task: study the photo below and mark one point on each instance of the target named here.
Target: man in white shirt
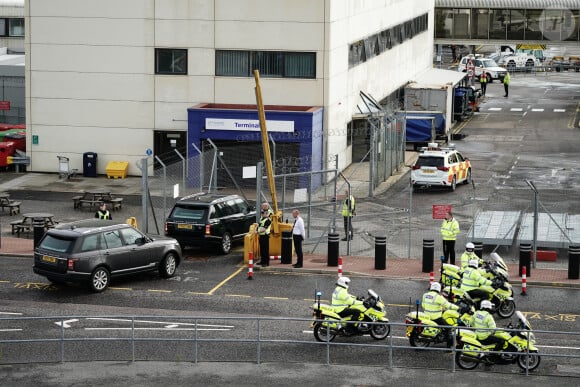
(298, 235)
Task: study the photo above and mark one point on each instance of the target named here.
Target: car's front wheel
(168, 266)
(226, 245)
(99, 279)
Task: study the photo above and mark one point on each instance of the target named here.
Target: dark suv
(95, 251)
(203, 218)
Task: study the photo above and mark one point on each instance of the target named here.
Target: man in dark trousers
(103, 213)
(264, 234)
(298, 235)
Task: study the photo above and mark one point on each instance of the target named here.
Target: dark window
(170, 61)
(15, 27)
(429, 161)
(190, 213)
(90, 243)
(57, 244)
(112, 239)
(272, 64)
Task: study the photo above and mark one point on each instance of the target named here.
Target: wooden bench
(88, 203)
(77, 201)
(13, 206)
(16, 225)
(116, 204)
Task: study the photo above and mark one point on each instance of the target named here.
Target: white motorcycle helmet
(470, 247)
(486, 305)
(343, 282)
(436, 286)
(473, 263)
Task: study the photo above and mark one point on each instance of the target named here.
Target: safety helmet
(473, 263)
(470, 247)
(436, 286)
(486, 305)
(343, 281)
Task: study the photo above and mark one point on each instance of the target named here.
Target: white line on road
(537, 110)
(12, 313)
(516, 109)
(495, 109)
(559, 110)
(157, 329)
(11, 330)
(159, 322)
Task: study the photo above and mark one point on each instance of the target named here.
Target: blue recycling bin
(89, 164)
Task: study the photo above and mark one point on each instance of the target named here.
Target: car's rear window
(430, 161)
(57, 244)
(190, 213)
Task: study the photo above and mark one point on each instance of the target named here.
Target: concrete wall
(90, 67)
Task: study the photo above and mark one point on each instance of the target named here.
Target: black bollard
(333, 241)
(286, 254)
(573, 262)
(428, 254)
(478, 249)
(38, 231)
(380, 253)
(525, 253)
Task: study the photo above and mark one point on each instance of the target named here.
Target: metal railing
(196, 339)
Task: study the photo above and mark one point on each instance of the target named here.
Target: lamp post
(535, 237)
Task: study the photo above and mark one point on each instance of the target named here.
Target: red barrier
(524, 285)
(431, 278)
(339, 267)
(275, 257)
(250, 265)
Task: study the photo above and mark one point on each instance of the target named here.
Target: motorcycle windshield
(499, 261)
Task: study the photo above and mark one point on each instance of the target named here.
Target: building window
(271, 64)
(12, 27)
(374, 45)
(16, 27)
(170, 61)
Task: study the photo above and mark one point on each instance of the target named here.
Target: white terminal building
(119, 77)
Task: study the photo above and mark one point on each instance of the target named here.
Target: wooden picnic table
(6, 202)
(92, 199)
(26, 224)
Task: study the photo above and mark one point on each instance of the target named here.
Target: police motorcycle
(422, 331)
(327, 324)
(500, 292)
(500, 295)
(519, 348)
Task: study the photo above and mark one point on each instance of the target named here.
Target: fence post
(380, 252)
(428, 251)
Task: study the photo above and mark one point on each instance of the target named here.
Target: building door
(165, 143)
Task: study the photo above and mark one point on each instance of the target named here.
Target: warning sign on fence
(440, 210)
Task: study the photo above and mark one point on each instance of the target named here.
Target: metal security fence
(227, 339)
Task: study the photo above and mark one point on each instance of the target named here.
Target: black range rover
(203, 218)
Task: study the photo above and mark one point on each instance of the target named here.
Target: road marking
(112, 288)
(199, 293)
(156, 329)
(4, 282)
(157, 322)
(516, 109)
(238, 295)
(537, 110)
(559, 110)
(276, 298)
(66, 323)
(12, 313)
(160, 291)
(495, 109)
(11, 330)
(211, 292)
